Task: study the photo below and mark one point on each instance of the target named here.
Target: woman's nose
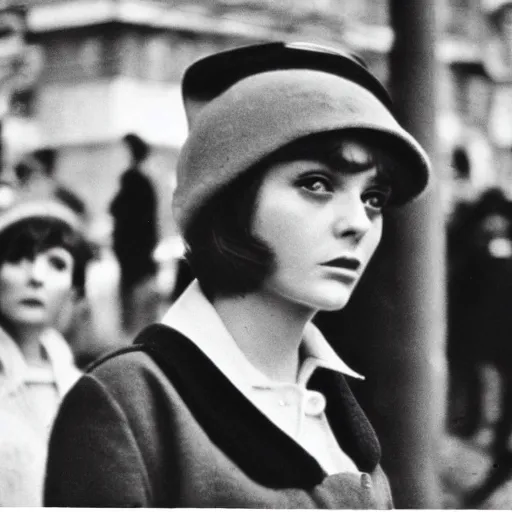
(352, 219)
(37, 271)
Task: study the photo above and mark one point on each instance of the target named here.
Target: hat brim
(263, 113)
(39, 209)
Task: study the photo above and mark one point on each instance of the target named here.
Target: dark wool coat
(158, 425)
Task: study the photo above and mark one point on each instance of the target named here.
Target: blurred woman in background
(43, 258)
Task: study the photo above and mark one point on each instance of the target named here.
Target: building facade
(109, 67)
(475, 108)
(114, 66)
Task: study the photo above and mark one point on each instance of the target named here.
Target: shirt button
(366, 481)
(315, 403)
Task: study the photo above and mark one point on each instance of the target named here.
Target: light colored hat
(24, 208)
(265, 109)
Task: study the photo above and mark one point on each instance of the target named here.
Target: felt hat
(244, 104)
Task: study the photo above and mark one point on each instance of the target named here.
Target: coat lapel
(241, 431)
(350, 426)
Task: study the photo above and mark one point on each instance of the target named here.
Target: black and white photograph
(256, 254)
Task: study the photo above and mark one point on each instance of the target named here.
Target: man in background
(134, 211)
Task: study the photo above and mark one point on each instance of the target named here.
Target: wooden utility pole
(393, 329)
(415, 343)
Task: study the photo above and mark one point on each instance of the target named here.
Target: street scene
(256, 254)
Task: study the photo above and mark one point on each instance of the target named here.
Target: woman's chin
(32, 320)
(333, 305)
(330, 296)
(330, 300)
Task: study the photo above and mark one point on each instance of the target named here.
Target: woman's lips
(343, 263)
(343, 269)
(32, 302)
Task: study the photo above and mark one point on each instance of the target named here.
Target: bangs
(26, 238)
(353, 155)
(349, 151)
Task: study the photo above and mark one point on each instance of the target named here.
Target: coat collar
(15, 372)
(229, 419)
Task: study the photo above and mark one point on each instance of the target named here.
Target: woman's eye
(58, 263)
(316, 184)
(377, 199)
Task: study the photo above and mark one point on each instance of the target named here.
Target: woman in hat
(235, 399)
(42, 268)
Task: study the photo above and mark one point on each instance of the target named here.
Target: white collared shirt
(296, 410)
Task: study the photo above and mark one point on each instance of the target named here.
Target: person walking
(235, 399)
(35, 175)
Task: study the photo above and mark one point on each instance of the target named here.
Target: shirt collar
(319, 354)
(195, 317)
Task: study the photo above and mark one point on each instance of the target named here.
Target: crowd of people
(233, 398)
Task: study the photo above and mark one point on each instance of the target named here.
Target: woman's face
(34, 291)
(323, 226)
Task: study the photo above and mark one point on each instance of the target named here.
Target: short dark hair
(224, 254)
(461, 163)
(28, 237)
(137, 146)
(47, 157)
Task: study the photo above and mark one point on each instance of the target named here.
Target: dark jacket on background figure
(135, 226)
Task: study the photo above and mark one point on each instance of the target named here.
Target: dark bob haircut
(224, 254)
(28, 237)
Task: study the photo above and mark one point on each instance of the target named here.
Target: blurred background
(77, 76)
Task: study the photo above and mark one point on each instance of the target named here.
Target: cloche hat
(246, 103)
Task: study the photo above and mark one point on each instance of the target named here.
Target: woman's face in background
(33, 291)
(323, 223)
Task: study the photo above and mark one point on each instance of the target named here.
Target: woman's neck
(267, 330)
(28, 339)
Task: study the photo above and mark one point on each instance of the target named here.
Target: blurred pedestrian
(35, 175)
(236, 399)
(42, 269)
(479, 242)
(480, 326)
(135, 235)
